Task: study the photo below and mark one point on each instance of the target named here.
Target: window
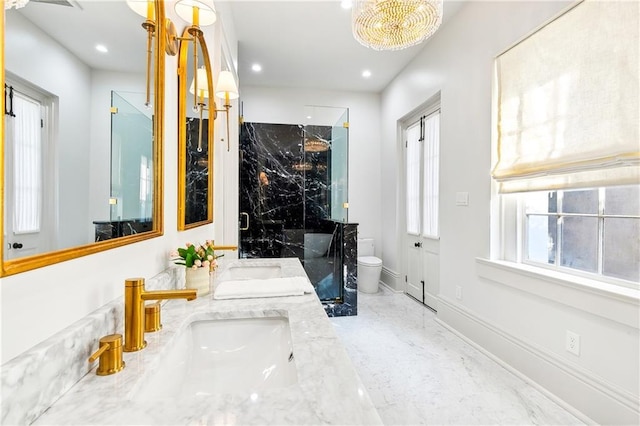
(595, 231)
(566, 144)
(24, 129)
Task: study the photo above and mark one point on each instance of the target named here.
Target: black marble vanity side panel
(349, 305)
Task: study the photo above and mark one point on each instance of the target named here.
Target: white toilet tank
(365, 247)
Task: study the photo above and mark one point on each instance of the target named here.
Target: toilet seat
(369, 261)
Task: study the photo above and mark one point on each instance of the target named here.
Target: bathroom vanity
(309, 379)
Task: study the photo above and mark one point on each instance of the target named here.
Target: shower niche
(293, 201)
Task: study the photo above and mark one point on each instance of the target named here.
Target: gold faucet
(134, 297)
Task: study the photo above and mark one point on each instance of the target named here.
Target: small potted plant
(200, 261)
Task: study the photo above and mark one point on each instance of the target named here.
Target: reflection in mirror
(62, 61)
(131, 168)
(195, 133)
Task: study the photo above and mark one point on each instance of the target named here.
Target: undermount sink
(252, 272)
(213, 357)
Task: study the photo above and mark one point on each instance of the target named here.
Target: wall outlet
(458, 292)
(572, 343)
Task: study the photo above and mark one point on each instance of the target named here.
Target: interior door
(413, 198)
(422, 138)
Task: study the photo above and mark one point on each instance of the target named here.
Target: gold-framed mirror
(49, 53)
(195, 132)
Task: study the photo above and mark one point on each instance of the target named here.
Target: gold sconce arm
(226, 89)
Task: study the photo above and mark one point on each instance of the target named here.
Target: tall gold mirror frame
(188, 39)
(27, 263)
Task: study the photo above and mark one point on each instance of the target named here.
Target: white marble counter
(328, 390)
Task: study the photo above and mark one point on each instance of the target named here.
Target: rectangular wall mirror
(82, 131)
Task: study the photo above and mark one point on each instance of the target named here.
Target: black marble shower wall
(285, 202)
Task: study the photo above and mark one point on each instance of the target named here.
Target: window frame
(513, 208)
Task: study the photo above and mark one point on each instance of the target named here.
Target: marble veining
(417, 372)
(32, 381)
(328, 391)
(197, 172)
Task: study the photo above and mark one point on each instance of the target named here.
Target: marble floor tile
(419, 373)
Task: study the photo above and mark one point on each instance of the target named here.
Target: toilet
(369, 267)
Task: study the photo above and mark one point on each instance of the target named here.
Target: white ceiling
(89, 22)
(299, 43)
(309, 44)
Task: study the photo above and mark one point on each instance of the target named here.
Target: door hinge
(114, 110)
(345, 124)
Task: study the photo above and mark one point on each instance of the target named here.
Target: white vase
(198, 279)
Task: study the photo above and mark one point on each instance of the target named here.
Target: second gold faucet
(134, 297)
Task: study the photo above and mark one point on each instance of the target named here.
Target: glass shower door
(340, 169)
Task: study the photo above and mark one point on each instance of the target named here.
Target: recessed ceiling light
(256, 67)
(366, 73)
(308, 117)
(346, 4)
(101, 48)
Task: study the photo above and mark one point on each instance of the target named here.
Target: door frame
(430, 106)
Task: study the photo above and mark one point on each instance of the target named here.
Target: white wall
(286, 106)
(37, 304)
(523, 326)
(31, 55)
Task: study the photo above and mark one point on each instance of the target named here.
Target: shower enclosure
(293, 196)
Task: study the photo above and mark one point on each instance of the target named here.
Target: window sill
(609, 301)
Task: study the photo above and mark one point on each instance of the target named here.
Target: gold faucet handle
(110, 354)
(152, 317)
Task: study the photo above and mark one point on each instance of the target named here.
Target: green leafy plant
(196, 256)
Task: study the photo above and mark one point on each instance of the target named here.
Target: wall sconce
(226, 89)
(200, 90)
(147, 9)
(196, 13)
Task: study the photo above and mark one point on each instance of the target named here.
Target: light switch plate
(462, 198)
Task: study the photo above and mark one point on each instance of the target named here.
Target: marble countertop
(328, 390)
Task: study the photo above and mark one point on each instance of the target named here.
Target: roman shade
(567, 102)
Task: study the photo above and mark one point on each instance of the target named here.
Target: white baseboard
(391, 279)
(585, 395)
(392, 290)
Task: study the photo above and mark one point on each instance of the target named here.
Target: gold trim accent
(113, 110)
(28, 263)
(2, 269)
(345, 205)
(189, 35)
(345, 124)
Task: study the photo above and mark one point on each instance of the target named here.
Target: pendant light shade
(206, 11)
(226, 86)
(203, 84)
(394, 24)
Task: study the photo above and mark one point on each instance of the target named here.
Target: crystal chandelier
(394, 24)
